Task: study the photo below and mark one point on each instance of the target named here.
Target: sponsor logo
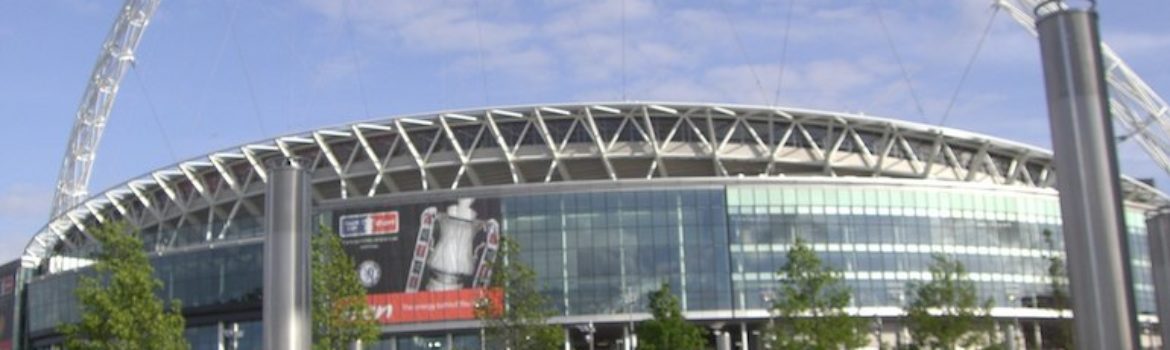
(385, 222)
(382, 312)
(370, 273)
(369, 224)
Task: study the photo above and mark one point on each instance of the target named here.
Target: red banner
(392, 308)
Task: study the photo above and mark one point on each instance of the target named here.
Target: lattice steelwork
(541, 144)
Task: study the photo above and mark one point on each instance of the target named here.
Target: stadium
(607, 201)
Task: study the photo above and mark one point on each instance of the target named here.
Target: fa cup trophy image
(452, 256)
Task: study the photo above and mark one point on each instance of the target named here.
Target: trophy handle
(422, 249)
(483, 272)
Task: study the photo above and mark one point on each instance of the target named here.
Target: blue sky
(214, 74)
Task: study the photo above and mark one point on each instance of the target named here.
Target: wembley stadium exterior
(608, 200)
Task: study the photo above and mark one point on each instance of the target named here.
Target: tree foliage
(119, 307)
(340, 312)
(520, 320)
(668, 330)
(946, 313)
(811, 305)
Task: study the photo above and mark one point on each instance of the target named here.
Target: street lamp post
(629, 299)
(233, 335)
(901, 327)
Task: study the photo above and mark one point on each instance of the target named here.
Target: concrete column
(565, 330)
(286, 312)
(221, 336)
(743, 337)
(1012, 343)
(1087, 178)
(1158, 231)
(626, 338)
(1037, 337)
(722, 338)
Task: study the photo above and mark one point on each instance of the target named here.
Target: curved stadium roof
(556, 143)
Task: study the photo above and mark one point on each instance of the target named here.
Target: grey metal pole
(286, 258)
(1086, 166)
(1158, 231)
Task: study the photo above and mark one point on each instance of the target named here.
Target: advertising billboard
(424, 262)
(8, 303)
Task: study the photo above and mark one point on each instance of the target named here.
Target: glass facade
(883, 238)
(204, 279)
(600, 252)
(160, 239)
(603, 252)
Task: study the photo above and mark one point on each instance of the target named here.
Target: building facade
(607, 201)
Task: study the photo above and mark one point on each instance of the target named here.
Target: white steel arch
(117, 55)
(1138, 108)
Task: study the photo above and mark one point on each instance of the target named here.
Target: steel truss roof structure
(550, 143)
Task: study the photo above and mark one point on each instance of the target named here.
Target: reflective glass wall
(205, 279)
(603, 252)
(883, 237)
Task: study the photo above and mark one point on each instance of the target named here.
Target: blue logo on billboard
(380, 223)
(353, 225)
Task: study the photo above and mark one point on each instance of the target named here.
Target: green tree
(520, 320)
(340, 312)
(668, 330)
(811, 303)
(119, 307)
(946, 313)
(1059, 337)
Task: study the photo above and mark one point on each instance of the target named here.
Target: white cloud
(530, 65)
(456, 30)
(422, 25)
(577, 16)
